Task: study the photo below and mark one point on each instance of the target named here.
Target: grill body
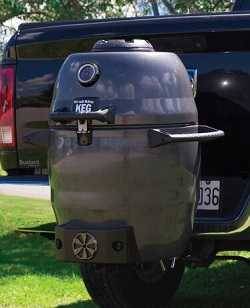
(118, 188)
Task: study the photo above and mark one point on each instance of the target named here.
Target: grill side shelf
(199, 133)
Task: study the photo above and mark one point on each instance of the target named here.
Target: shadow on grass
(25, 253)
(79, 304)
(224, 285)
(210, 302)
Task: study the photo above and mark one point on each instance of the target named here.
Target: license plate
(209, 197)
(83, 105)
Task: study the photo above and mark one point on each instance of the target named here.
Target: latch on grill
(84, 121)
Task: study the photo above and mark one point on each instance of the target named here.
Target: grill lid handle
(103, 115)
(190, 133)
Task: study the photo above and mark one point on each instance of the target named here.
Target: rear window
(241, 5)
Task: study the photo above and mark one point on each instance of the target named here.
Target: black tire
(132, 286)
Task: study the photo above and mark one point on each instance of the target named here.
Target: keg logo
(84, 246)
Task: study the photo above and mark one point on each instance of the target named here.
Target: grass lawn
(31, 277)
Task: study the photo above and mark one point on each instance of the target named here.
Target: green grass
(30, 276)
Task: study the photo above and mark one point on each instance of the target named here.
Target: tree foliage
(44, 10)
(194, 6)
(187, 7)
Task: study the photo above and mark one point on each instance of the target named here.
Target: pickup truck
(216, 46)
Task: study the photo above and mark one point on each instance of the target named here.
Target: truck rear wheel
(131, 286)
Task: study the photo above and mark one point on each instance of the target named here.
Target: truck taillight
(7, 119)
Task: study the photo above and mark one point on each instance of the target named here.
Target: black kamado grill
(124, 167)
